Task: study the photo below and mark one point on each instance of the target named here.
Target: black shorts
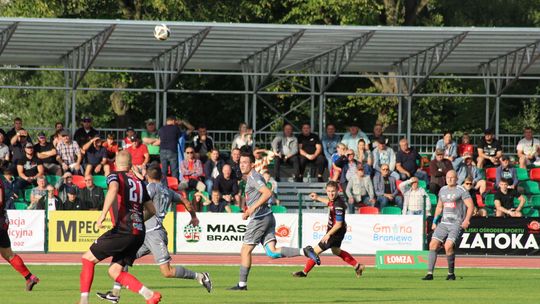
(334, 241)
(4, 239)
(122, 247)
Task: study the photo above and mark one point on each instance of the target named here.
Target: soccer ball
(162, 32)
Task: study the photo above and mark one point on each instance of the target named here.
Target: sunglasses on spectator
(189, 152)
(385, 169)
(350, 154)
(468, 184)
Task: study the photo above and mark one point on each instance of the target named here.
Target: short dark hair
(287, 124)
(332, 184)
(17, 119)
(330, 124)
(250, 155)
(507, 180)
(448, 132)
(154, 173)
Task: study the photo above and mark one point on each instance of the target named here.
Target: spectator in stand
(504, 201)
(17, 127)
(4, 152)
(69, 154)
(406, 162)
(58, 127)
(339, 159)
(310, 152)
(330, 140)
(489, 151)
(169, 135)
(365, 157)
(18, 141)
(192, 172)
(468, 185)
(384, 155)
(198, 200)
(29, 168)
(86, 132)
(508, 172)
(448, 145)
(63, 184)
(38, 192)
(150, 138)
(216, 204)
(2, 132)
(95, 157)
(243, 140)
(202, 143)
(91, 196)
(360, 190)
(348, 170)
(73, 202)
(139, 157)
(212, 168)
(415, 198)
(465, 146)
(465, 167)
(352, 137)
(127, 142)
(438, 168)
(263, 158)
(528, 149)
(273, 186)
(8, 181)
(285, 148)
(234, 162)
(49, 202)
(47, 153)
(385, 188)
(112, 148)
(227, 185)
(377, 133)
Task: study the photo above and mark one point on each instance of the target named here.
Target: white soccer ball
(162, 32)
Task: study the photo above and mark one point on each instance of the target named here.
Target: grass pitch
(60, 284)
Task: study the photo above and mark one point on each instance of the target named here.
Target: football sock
(309, 265)
(451, 263)
(130, 282)
(116, 289)
(146, 293)
(183, 273)
(345, 256)
(432, 260)
(87, 275)
(290, 252)
(244, 272)
(18, 264)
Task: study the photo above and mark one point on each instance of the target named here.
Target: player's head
(154, 174)
(332, 190)
(246, 162)
(123, 161)
(451, 178)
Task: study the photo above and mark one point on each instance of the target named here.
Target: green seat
(530, 212)
(482, 172)
(52, 179)
(235, 209)
(391, 210)
(522, 174)
(535, 201)
(204, 209)
(433, 200)
(422, 184)
(21, 205)
(516, 202)
(279, 209)
(27, 194)
(490, 200)
(100, 181)
(530, 187)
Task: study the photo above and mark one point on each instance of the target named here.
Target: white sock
(84, 298)
(116, 290)
(199, 277)
(146, 293)
(242, 284)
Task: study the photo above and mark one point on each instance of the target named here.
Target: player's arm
(470, 209)
(437, 214)
(177, 198)
(149, 209)
(109, 200)
(314, 196)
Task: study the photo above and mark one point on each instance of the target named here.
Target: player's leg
(245, 266)
(453, 235)
(117, 273)
(310, 263)
(17, 263)
(349, 259)
(436, 240)
(89, 262)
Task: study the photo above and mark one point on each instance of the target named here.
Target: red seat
(491, 174)
(398, 181)
(368, 210)
(480, 201)
(78, 180)
(534, 174)
(172, 183)
(490, 187)
(180, 208)
(426, 169)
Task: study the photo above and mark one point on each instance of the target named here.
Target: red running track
(208, 259)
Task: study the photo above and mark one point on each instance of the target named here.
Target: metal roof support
(176, 58)
(425, 62)
(283, 115)
(6, 35)
(268, 59)
(510, 66)
(80, 59)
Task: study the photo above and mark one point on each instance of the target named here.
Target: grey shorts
(261, 230)
(155, 242)
(444, 231)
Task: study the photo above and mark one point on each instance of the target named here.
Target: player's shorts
(4, 237)
(122, 247)
(261, 230)
(156, 242)
(445, 231)
(334, 240)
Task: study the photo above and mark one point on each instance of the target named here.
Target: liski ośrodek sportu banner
(501, 236)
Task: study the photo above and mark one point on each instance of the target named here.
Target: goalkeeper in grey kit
(156, 241)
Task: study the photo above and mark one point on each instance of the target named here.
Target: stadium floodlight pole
(5, 36)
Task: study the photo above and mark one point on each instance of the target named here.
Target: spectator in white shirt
(528, 148)
(415, 197)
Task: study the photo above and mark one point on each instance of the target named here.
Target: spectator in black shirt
(202, 143)
(212, 168)
(227, 185)
(504, 200)
(18, 142)
(29, 168)
(217, 204)
(17, 126)
(489, 151)
(234, 162)
(86, 132)
(72, 202)
(406, 162)
(310, 150)
(169, 135)
(47, 153)
(92, 196)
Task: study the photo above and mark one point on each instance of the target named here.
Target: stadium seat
(52, 179)
(100, 181)
(433, 200)
(490, 187)
(522, 174)
(422, 184)
(530, 212)
(398, 182)
(78, 180)
(491, 174)
(180, 208)
(20, 205)
(368, 210)
(480, 200)
(278, 209)
(27, 194)
(534, 174)
(391, 210)
(490, 200)
(516, 202)
(172, 183)
(426, 169)
(236, 209)
(530, 187)
(535, 201)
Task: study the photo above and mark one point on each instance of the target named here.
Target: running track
(205, 259)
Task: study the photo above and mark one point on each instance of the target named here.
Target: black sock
(28, 276)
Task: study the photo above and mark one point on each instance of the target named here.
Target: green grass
(60, 284)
